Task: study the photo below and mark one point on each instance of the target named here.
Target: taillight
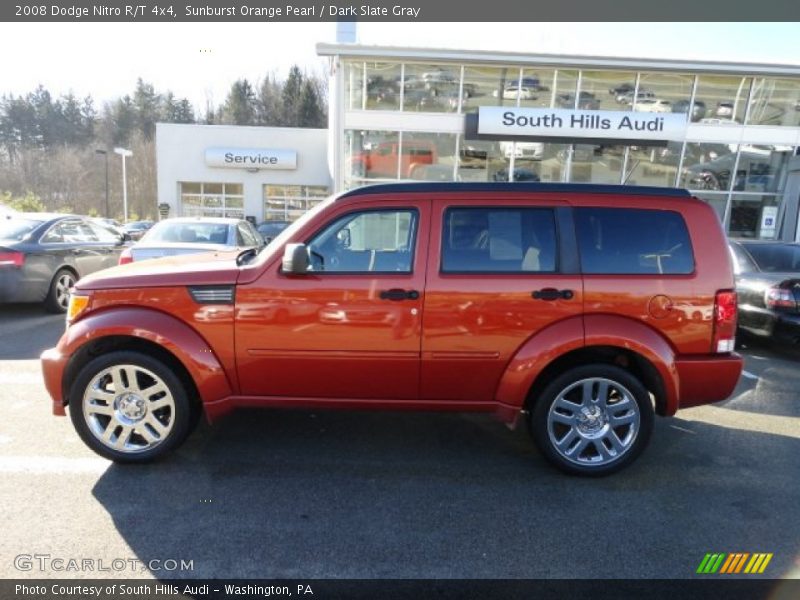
(12, 259)
(126, 257)
(776, 297)
(724, 338)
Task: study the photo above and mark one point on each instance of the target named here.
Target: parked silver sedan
(192, 235)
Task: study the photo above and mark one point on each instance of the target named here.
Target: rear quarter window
(623, 241)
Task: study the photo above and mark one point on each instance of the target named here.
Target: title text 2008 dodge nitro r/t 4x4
(584, 309)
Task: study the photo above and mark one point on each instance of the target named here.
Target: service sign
(568, 123)
(251, 158)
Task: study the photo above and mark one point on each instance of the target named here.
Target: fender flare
(575, 333)
(534, 355)
(175, 336)
(633, 335)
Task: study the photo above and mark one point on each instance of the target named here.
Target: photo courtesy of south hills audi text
(138, 590)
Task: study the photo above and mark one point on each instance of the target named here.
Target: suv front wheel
(130, 407)
(592, 420)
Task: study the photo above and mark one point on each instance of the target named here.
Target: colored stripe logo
(737, 562)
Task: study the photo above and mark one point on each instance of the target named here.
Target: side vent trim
(212, 294)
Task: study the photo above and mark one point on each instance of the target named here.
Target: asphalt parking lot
(299, 494)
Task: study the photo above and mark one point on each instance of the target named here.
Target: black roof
(582, 188)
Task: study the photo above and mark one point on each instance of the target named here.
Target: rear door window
(499, 240)
(624, 241)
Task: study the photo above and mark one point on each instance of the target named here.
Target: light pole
(124, 153)
(105, 155)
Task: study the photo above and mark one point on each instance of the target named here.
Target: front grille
(212, 294)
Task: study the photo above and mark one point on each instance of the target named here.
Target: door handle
(398, 294)
(553, 294)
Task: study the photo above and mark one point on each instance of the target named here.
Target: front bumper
(707, 379)
(53, 365)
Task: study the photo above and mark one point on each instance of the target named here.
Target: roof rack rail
(588, 188)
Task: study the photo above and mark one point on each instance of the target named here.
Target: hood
(217, 268)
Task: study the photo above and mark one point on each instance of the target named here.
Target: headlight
(77, 304)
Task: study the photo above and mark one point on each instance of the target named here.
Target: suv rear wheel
(130, 407)
(592, 420)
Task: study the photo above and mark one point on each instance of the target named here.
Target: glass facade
(740, 180)
(200, 199)
(288, 202)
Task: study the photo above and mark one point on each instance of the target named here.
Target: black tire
(57, 300)
(178, 419)
(594, 428)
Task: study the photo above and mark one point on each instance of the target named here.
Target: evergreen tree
(292, 89)
(240, 106)
(310, 111)
(147, 107)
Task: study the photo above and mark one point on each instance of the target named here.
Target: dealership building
(728, 132)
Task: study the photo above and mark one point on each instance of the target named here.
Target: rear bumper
(762, 322)
(707, 379)
(16, 286)
(53, 365)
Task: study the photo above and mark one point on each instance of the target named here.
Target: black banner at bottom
(401, 589)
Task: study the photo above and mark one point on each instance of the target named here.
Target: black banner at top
(165, 11)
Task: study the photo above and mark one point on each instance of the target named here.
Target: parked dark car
(42, 256)
(137, 229)
(698, 110)
(519, 175)
(622, 88)
(269, 230)
(586, 101)
(753, 173)
(768, 288)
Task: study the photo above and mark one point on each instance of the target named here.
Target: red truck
(385, 158)
(584, 310)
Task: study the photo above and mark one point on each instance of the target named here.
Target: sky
(201, 60)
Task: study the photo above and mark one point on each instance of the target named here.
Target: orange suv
(383, 159)
(584, 310)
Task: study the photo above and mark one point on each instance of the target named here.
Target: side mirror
(295, 259)
(343, 238)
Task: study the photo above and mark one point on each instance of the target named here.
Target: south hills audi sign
(497, 122)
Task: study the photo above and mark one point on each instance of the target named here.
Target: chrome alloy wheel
(593, 422)
(64, 284)
(128, 408)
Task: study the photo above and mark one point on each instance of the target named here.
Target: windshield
(188, 233)
(775, 258)
(16, 229)
(287, 233)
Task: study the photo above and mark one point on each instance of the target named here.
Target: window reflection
(708, 166)
(718, 200)
(536, 88)
(594, 163)
(775, 102)
(383, 86)
(608, 88)
(371, 154)
(724, 98)
(653, 165)
(747, 216)
(431, 88)
(490, 86)
(666, 93)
